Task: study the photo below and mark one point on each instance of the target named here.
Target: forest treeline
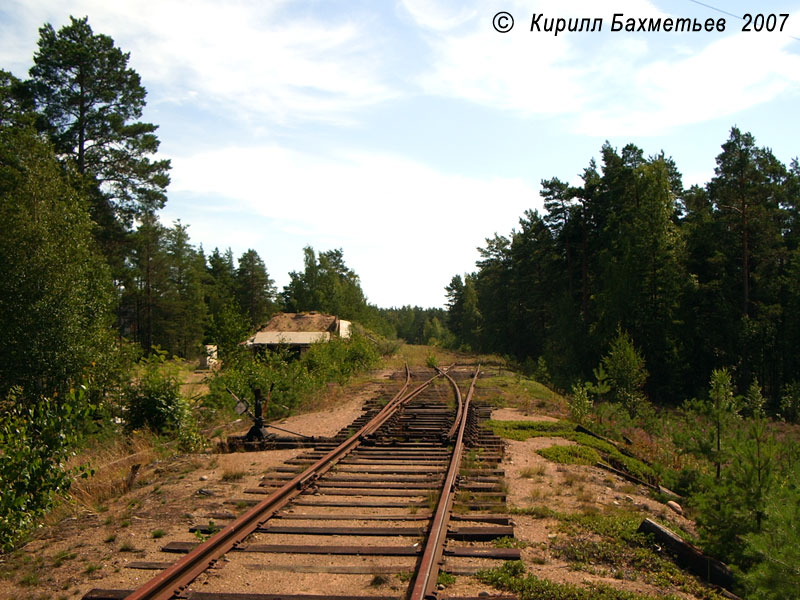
(672, 317)
(700, 279)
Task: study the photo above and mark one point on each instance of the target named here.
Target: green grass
(61, 557)
(523, 392)
(512, 577)
(604, 543)
(379, 580)
(619, 524)
(523, 430)
(472, 459)
(29, 579)
(509, 542)
(608, 543)
(158, 533)
(571, 455)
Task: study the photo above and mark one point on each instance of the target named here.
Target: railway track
(410, 490)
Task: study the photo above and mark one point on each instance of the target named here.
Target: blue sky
(406, 132)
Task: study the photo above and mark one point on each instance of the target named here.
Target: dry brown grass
(585, 495)
(195, 383)
(530, 472)
(112, 460)
(536, 494)
(571, 478)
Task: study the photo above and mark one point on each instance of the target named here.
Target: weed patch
(509, 542)
(529, 472)
(523, 430)
(524, 392)
(537, 512)
(571, 455)
(233, 475)
(512, 577)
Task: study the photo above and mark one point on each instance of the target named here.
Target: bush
(340, 359)
(154, 402)
(292, 380)
(36, 438)
(572, 455)
(626, 371)
(432, 361)
(790, 402)
(580, 404)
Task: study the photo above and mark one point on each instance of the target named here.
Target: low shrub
(292, 379)
(154, 401)
(37, 435)
(579, 403)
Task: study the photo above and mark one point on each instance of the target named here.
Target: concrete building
(299, 330)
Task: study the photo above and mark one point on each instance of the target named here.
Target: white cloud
(606, 84)
(729, 75)
(390, 214)
(439, 15)
(253, 58)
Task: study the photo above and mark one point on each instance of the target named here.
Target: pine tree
(327, 284)
(144, 284)
(254, 290)
(16, 105)
(776, 546)
(91, 100)
(626, 372)
(182, 328)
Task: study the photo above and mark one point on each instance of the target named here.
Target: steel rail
(459, 410)
(173, 580)
(428, 571)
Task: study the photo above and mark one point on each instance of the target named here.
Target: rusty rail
(428, 570)
(459, 408)
(173, 580)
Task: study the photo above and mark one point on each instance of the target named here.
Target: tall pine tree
(90, 101)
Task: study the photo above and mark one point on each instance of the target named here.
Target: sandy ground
(535, 481)
(91, 549)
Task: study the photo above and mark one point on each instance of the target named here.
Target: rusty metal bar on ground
(428, 571)
(177, 577)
